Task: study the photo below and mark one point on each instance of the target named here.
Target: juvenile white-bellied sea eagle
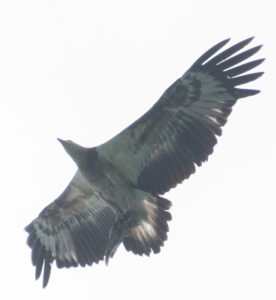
(114, 196)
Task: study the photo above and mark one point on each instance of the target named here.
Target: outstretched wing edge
(161, 148)
(73, 230)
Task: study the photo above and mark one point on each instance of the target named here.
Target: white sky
(84, 70)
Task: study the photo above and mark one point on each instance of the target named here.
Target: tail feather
(151, 233)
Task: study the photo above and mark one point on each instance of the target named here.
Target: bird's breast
(110, 184)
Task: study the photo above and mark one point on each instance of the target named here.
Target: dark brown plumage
(114, 196)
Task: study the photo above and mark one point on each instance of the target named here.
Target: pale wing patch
(73, 230)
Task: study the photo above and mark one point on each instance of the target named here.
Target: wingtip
(46, 275)
(257, 75)
(60, 140)
(261, 60)
(248, 40)
(224, 42)
(38, 272)
(258, 47)
(243, 93)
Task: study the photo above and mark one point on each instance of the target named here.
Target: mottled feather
(114, 196)
(73, 230)
(161, 149)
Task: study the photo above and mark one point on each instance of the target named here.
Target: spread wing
(161, 148)
(73, 230)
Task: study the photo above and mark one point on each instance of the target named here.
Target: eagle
(116, 193)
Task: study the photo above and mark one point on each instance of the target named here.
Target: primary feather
(114, 196)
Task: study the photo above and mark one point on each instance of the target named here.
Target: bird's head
(76, 151)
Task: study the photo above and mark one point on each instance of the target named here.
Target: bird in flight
(115, 195)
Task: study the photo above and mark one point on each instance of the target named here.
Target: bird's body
(114, 197)
(105, 180)
(108, 182)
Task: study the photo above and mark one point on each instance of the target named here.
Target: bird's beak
(65, 145)
(61, 141)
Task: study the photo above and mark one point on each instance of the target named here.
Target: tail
(151, 232)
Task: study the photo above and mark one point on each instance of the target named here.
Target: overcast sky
(84, 70)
